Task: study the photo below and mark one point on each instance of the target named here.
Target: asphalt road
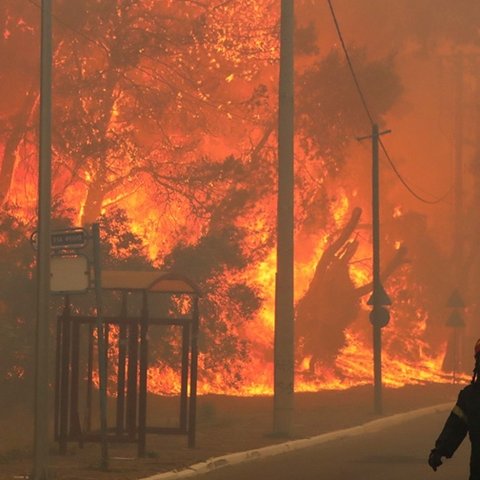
(395, 453)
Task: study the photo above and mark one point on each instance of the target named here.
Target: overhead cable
(371, 119)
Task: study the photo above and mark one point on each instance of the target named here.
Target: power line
(350, 65)
(407, 186)
(370, 116)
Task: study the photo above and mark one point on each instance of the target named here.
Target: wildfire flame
(241, 52)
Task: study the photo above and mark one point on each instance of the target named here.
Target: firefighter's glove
(435, 459)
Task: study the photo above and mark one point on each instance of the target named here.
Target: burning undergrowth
(174, 149)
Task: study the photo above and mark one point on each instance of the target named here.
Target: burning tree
(164, 123)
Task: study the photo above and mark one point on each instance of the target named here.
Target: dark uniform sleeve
(454, 431)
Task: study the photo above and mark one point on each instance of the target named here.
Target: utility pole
(379, 316)
(43, 254)
(284, 280)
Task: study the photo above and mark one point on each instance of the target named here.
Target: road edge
(292, 445)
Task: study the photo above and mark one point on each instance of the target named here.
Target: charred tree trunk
(93, 203)
(332, 301)
(101, 186)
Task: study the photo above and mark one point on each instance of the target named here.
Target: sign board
(69, 274)
(63, 239)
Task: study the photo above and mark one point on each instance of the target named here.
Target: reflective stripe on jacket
(464, 418)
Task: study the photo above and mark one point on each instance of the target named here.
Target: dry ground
(225, 424)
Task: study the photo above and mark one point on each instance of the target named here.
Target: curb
(277, 449)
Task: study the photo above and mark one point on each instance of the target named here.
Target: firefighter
(463, 419)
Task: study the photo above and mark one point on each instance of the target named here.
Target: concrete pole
(41, 410)
(284, 307)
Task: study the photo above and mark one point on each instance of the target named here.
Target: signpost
(456, 321)
(69, 272)
(102, 348)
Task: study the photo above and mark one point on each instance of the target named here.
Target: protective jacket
(464, 418)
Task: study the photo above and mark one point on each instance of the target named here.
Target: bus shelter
(76, 371)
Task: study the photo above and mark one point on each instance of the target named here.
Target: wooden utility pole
(284, 307)
(40, 457)
(379, 298)
(379, 316)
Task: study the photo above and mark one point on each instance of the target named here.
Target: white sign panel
(69, 239)
(69, 274)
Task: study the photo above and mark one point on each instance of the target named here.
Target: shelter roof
(151, 281)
